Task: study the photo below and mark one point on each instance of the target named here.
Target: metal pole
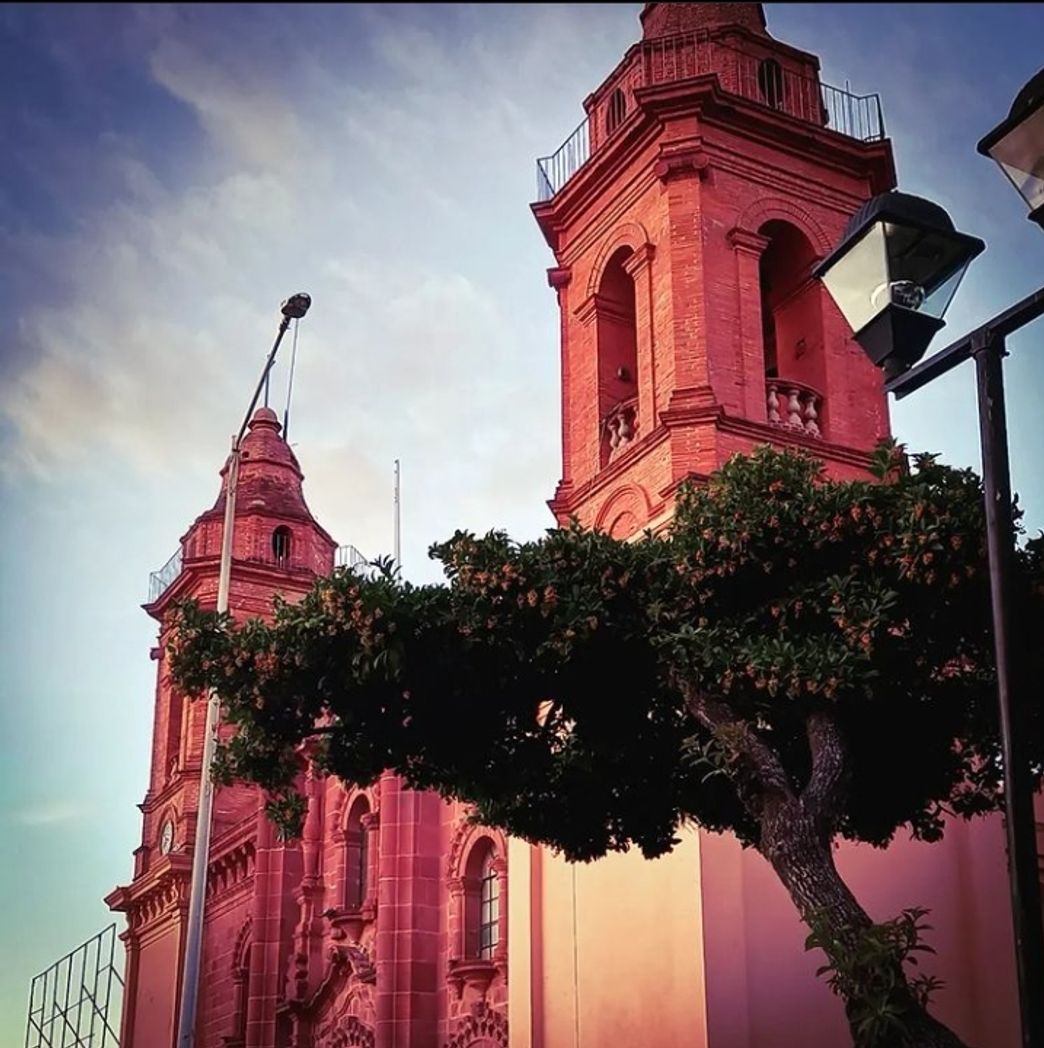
(201, 846)
(294, 307)
(1028, 920)
(398, 521)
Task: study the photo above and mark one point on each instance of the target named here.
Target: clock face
(166, 837)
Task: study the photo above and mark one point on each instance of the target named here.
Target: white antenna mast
(398, 521)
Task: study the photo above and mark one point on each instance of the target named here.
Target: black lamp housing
(296, 306)
(1016, 145)
(894, 275)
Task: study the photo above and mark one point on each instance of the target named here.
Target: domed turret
(269, 475)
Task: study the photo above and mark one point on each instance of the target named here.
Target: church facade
(685, 215)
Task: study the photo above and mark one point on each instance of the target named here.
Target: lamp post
(1016, 146)
(893, 276)
(294, 308)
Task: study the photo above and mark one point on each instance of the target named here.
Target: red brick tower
(685, 214)
(384, 926)
(278, 548)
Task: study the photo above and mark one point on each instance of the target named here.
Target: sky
(171, 173)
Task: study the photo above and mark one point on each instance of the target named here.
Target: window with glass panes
(489, 910)
(358, 857)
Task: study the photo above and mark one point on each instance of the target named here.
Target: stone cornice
(746, 241)
(565, 503)
(163, 888)
(682, 159)
(776, 435)
(558, 277)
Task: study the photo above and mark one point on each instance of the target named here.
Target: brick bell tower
(712, 171)
(278, 548)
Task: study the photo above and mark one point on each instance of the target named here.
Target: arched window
(792, 329)
(489, 910)
(357, 855)
(281, 544)
(617, 357)
(240, 988)
(482, 902)
(615, 111)
(770, 82)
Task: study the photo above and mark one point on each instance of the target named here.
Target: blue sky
(171, 173)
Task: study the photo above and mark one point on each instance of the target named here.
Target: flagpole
(294, 307)
(398, 521)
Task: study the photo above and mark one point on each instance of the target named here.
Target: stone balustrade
(794, 405)
(621, 427)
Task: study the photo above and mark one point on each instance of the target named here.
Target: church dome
(269, 475)
(673, 19)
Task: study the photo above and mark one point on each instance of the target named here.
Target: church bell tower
(713, 170)
(278, 548)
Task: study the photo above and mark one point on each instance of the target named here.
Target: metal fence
(751, 76)
(555, 170)
(350, 557)
(76, 1003)
(160, 580)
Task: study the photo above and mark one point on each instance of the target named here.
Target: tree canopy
(795, 659)
(591, 694)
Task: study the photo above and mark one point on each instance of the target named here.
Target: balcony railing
(350, 557)
(793, 405)
(160, 581)
(750, 76)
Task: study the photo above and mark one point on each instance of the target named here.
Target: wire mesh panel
(76, 1002)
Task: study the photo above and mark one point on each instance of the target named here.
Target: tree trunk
(800, 854)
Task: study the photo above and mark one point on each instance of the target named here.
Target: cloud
(371, 175)
(49, 813)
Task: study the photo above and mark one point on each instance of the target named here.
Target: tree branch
(823, 793)
(759, 761)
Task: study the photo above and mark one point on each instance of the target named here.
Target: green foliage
(549, 682)
(866, 969)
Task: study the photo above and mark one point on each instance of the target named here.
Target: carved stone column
(639, 268)
(748, 248)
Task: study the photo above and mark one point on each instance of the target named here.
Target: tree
(798, 659)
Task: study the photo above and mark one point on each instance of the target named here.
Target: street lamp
(893, 276)
(1017, 146)
(294, 308)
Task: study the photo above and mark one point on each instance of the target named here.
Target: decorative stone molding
(558, 277)
(465, 837)
(639, 260)
(682, 161)
(472, 973)
(628, 498)
(232, 870)
(350, 1032)
(483, 1029)
(744, 240)
(150, 900)
(349, 923)
(631, 234)
(338, 817)
(769, 208)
